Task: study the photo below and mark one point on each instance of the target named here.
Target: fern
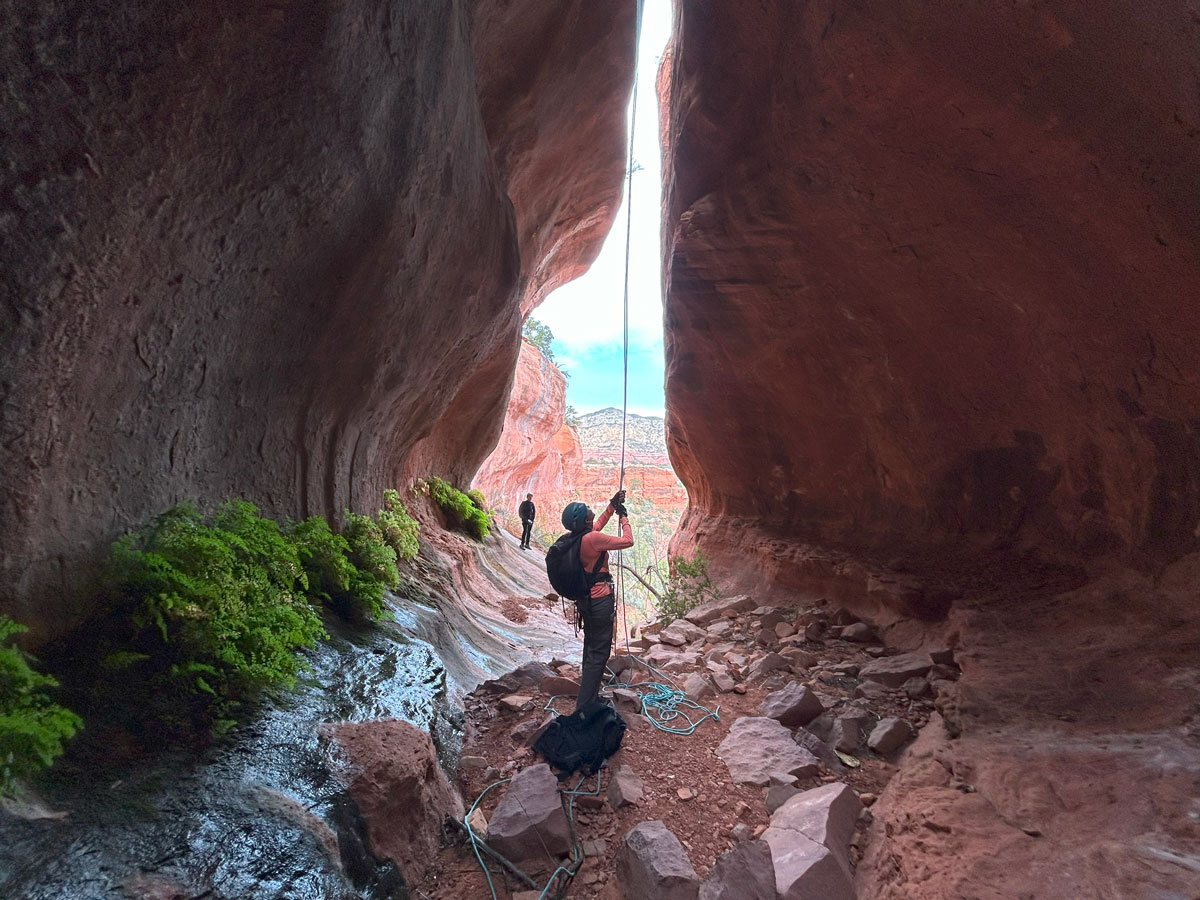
(32, 726)
(460, 510)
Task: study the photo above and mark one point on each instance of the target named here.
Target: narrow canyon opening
(272, 282)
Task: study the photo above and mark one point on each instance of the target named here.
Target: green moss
(32, 726)
(460, 511)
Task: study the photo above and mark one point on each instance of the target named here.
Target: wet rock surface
(264, 813)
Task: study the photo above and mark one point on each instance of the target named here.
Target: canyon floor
(1050, 769)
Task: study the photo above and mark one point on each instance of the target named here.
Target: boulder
(815, 631)
(793, 705)
(719, 628)
(859, 633)
(846, 733)
(626, 700)
(742, 873)
(893, 671)
(530, 820)
(723, 682)
(798, 659)
(784, 630)
(756, 747)
(651, 865)
(769, 617)
(871, 690)
(696, 687)
(619, 662)
(820, 749)
(556, 685)
(889, 735)
(916, 688)
(516, 702)
(809, 837)
(624, 787)
(392, 773)
(528, 675)
(943, 656)
(779, 794)
(772, 662)
(681, 632)
(715, 609)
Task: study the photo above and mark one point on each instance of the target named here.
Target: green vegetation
(478, 499)
(209, 610)
(540, 336)
(688, 587)
(571, 416)
(375, 568)
(461, 511)
(32, 726)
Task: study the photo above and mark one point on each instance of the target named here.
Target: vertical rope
(637, 40)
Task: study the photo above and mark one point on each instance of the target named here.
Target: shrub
(688, 587)
(209, 610)
(375, 568)
(460, 511)
(399, 528)
(32, 726)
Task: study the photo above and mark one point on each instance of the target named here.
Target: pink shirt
(595, 542)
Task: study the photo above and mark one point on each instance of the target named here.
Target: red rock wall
(933, 278)
(537, 453)
(277, 251)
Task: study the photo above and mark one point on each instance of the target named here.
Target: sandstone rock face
(935, 277)
(537, 452)
(277, 252)
(1081, 778)
(393, 776)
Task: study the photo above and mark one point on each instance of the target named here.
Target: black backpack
(565, 568)
(582, 741)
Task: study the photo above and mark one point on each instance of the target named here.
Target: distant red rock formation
(538, 453)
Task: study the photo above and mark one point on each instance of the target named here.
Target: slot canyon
(931, 285)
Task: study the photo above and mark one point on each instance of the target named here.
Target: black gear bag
(582, 741)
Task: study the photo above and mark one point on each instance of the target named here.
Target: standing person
(526, 511)
(600, 610)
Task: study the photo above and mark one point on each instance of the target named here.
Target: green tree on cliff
(540, 336)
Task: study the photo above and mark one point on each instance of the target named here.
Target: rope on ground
(561, 876)
(663, 703)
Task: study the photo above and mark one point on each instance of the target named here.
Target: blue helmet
(574, 517)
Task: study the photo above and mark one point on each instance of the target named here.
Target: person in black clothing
(526, 511)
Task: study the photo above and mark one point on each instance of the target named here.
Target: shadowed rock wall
(933, 279)
(265, 250)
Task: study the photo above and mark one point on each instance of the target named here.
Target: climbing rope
(562, 875)
(637, 40)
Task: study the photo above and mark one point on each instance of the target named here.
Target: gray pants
(598, 613)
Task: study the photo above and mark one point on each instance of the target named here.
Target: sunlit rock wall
(537, 453)
(268, 250)
(933, 280)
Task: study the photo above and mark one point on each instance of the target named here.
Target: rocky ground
(817, 671)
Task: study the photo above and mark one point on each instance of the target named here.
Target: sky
(586, 315)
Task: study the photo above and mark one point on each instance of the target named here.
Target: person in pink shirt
(599, 611)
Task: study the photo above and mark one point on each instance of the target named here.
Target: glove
(622, 512)
(617, 499)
